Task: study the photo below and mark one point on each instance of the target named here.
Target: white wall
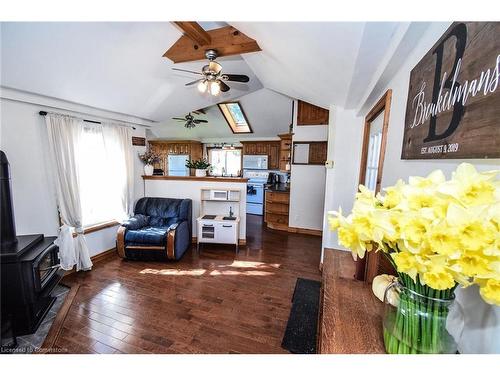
(307, 189)
(23, 137)
(482, 333)
(344, 148)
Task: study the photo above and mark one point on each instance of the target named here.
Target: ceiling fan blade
(178, 118)
(215, 67)
(224, 87)
(235, 77)
(187, 71)
(198, 121)
(193, 82)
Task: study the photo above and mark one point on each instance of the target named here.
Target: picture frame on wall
(453, 105)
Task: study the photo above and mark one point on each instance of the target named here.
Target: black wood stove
(29, 270)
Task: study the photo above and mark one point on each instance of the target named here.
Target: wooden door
(309, 114)
(172, 148)
(317, 152)
(274, 155)
(370, 174)
(262, 148)
(249, 148)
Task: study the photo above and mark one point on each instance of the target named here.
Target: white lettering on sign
(487, 82)
(440, 149)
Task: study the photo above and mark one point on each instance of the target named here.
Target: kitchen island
(191, 186)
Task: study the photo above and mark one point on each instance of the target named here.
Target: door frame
(366, 268)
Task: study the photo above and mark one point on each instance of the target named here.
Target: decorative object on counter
(437, 234)
(149, 158)
(200, 166)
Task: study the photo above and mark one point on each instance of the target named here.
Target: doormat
(301, 329)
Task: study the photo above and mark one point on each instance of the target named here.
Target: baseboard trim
(313, 232)
(96, 258)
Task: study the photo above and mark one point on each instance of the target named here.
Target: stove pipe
(7, 226)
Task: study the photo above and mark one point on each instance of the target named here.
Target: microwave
(254, 161)
(219, 195)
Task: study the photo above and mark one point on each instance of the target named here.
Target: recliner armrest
(136, 222)
(120, 241)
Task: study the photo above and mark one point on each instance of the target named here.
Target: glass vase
(421, 320)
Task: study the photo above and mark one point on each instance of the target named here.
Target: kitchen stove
(255, 191)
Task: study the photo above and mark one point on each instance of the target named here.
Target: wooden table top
(351, 316)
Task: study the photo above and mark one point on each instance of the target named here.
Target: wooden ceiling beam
(226, 40)
(195, 32)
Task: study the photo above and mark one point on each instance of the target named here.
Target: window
(235, 117)
(225, 162)
(98, 195)
(374, 145)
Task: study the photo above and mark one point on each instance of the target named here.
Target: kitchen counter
(194, 178)
(278, 188)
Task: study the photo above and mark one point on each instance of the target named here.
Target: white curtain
(64, 134)
(119, 150)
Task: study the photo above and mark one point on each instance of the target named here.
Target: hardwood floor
(213, 303)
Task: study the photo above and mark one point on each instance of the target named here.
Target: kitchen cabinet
(309, 114)
(249, 148)
(277, 209)
(285, 154)
(175, 147)
(269, 148)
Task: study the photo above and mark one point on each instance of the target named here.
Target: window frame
(230, 121)
(209, 148)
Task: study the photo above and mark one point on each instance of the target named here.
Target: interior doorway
(370, 174)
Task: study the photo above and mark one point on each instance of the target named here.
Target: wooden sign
(453, 107)
(138, 141)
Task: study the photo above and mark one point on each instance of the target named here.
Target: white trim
(48, 103)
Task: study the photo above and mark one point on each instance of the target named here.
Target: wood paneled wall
(175, 147)
(310, 114)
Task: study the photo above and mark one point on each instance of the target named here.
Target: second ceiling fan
(214, 80)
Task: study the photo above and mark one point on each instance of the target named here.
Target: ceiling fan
(214, 81)
(189, 120)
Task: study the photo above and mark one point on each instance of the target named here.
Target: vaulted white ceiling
(111, 65)
(119, 67)
(267, 112)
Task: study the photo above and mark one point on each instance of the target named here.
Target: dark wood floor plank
(217, 302)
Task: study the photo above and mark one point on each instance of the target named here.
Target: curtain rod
(45, 113)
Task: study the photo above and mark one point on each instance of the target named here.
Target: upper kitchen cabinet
(269, 148)
(193, 149)
(309, 114)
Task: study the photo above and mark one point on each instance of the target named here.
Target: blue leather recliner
(160, 229)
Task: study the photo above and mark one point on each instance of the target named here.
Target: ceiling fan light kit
(213, 79)
(189, 120)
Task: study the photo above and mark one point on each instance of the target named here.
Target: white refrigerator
(177, 165)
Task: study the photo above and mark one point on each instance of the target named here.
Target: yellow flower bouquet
(438, 234)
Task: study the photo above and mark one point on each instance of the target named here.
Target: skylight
(235, 117)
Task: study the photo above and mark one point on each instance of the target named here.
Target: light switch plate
(329, 164)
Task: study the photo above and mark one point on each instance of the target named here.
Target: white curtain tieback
(78, 230)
